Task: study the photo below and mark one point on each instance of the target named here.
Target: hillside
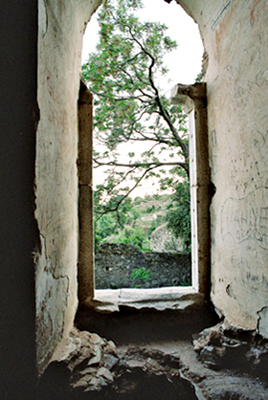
(144, 216)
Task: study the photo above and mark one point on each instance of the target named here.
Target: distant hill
(145, 216)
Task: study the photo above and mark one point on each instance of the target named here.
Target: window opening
(143, 272)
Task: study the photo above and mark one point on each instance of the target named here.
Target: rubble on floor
(90, 367)
(221, 347)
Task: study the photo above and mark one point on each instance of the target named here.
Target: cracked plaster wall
(236, 39)
(61, 28)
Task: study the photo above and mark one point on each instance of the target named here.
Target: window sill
(168, 298)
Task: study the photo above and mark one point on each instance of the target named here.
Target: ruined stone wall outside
(236, 38)
(61, 27)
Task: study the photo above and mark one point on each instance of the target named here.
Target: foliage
(130, 107)
(141, 273)
(104, 227)
(199, 77)
(135, 231)
(178, 214)
(175, 209)
(107, 224)
(136, 236)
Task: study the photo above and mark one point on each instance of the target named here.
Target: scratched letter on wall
(246, 218)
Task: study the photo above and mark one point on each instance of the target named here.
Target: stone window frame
(193, 99)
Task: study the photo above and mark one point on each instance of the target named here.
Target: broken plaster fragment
(262, 326)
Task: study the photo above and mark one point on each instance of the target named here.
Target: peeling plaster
(42, 18)
(51, 301)
(237, 108)
(230, 292)
(236, 81)
(262, 326)
(61, 26)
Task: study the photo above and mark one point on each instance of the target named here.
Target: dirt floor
(152, 355)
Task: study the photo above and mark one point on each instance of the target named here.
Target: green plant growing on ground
(142, 274)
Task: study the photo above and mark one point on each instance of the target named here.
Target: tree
(130, 106)
(107, 224)
(178, 214)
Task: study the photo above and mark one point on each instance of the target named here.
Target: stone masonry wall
(114, 263)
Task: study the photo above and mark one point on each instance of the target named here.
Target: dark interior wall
(18, 233)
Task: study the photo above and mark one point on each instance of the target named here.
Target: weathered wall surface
(61, 26)
(236, 39)
(85, 201)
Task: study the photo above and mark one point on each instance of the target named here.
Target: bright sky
(184, 63)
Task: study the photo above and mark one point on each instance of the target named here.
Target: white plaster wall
(236, 38)
(61, 27)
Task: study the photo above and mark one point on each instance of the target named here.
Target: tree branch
(142, 164)
(158, 100)
(115, 209)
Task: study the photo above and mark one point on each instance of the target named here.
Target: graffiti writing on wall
(220, 14)
(247, 218)
(259, 149)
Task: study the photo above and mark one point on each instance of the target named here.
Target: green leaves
(130, 107)
(120, 73)
(178, 214)
(142, 274)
